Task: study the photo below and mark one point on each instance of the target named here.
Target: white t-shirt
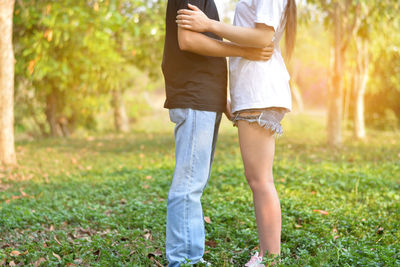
(260, 84)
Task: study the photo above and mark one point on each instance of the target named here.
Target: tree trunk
(121, 120)
(7, 148)
(297, 97)
(361, 77)
(348, 88)
(345, 26)
(335, 108)
(51, 115)
(335, 105)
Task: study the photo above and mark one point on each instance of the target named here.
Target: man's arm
(200, 44)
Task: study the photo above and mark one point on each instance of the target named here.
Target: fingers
(184, 17)
(262, 57)
(186, 12)
(193, 7)
(260, 54)
(184, 25)
(267, 49)
(184, 21)
(267, 53)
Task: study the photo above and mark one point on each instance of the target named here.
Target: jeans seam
(189, 183)
(212, 150)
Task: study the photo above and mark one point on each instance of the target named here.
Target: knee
(259, 181)
(185, 188)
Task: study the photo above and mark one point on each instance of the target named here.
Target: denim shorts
(268, 118)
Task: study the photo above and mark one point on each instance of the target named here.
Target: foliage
(79, 51)
(101, 201)
(384, 84)
(378, 20)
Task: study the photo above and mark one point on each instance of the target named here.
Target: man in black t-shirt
(192, 80)
(195, 72)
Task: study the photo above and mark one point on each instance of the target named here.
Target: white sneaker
(206, 263)
(255, 261)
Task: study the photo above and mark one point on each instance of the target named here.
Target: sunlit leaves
(86, 49)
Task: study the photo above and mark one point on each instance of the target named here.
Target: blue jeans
(195, 139)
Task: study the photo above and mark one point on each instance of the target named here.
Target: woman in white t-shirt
(260, 95)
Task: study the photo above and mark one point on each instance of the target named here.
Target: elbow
(264, 37)
(187, 40)
(185, 43)
(184, 46)
(259, 43)
(263, 42)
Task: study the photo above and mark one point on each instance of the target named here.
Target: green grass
(101, 200)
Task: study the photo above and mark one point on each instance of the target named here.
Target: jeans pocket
(178, 115)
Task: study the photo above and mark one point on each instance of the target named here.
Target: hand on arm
(195, 20)
(200, 44)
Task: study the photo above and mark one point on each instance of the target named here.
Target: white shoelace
(206, 263)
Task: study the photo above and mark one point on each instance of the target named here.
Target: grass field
(100, 200)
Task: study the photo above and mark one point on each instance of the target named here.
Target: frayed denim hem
(268, 118)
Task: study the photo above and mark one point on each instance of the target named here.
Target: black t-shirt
(192, 80)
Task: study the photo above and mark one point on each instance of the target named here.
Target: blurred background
(95, 146)
(94, 65)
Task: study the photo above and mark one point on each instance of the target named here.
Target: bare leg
(257, 147)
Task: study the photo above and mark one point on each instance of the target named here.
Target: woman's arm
(195, 20)
(200, 44)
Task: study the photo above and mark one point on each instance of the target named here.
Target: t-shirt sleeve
(184, 4)
(269, 12)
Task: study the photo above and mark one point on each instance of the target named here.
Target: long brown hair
(291, 27)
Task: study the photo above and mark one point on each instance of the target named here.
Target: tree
(62, 56)
(382, 109)
(76, 56)
(7, 149)
(352, 20)
(360, 79)
(137, 32)
(343, 18)
(376, 16)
